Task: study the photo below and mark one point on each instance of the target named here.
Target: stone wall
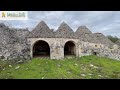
(118, 42)
(82, 48)
(17, 44)
(100, 50)
(56, 46)
(13, 44)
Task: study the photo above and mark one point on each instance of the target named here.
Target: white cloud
(106, 22)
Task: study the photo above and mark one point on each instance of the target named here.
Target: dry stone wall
(17, 44)
(118, 42)
(100, 50)
(13, 44)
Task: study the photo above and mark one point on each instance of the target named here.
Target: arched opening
(94, 53)
(41, 49)
(69, 49)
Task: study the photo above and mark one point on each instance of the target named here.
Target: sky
(106, 22)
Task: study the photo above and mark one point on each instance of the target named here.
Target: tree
(112, 38)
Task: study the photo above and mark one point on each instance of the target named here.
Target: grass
(86, 67)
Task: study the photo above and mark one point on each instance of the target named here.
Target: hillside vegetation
(86, 67)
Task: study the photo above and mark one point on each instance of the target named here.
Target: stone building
(22, 44)
(118, 42)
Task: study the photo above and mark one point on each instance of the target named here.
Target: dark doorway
(94, 53)
(41, 49)
(69, 48)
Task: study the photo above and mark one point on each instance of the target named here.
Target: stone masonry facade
(18, 44)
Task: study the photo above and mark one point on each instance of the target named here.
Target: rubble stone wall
(17, 44)
(56, 46)
(13, 44)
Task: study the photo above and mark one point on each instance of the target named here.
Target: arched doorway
(69, 49)
(41, 49)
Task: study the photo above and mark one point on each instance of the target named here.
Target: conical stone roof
(83, 30)
(64, 31)
(41, 31)
(84, 34)
(103, 39)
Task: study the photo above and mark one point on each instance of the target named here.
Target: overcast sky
(106, 22)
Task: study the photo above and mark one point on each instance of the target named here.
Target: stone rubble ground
(17, 67)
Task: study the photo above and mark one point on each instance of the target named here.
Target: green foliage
(112, 38)
(86, 67)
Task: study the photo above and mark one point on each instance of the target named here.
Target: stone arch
(41, 48)
(94, 52)
(70, 48)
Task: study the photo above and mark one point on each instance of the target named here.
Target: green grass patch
(86, 67)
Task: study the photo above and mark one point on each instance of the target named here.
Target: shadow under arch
(41, 49)
(70, 48)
